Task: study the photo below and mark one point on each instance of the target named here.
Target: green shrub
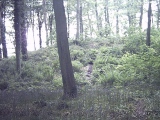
(133, 42)
(77, 66)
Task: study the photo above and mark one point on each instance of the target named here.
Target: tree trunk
(158, 13)
(148, 41)
(0, 33)
(106, 12)
(107, 23)
(40, 29)
(17, 33)
(69, 85)
(50, 28)
(141, 15)
(89, 23)
(23, 32)
(129, 14)
(78, 20)
(117, 22)
(45, 21)
(81, 20)
(32, 19)
(3, 31)
(97, 17)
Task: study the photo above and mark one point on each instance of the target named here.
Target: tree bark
(148, 41)
(17, 34)
(158, 13)
(39, 28)
(117, 22)
(69, 85)
(0, 33)
(78, 20)
(107, 22)
(81, 21)
(45, 21)
(89, 23)
(106, 12)
(50, 28)
(97, 17)
(33, 25)
(3, 31)
(23, 32)
(141, 15)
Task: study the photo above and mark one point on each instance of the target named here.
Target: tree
(0, 35)
(40, 22)
(141, 13)
(98, 18)
(148, 41)
(69, 85)
(81, 20)
(107, 22)
(17, 33)
(117, 3)
(3, 29)
(78, 20)
(23, 31)
(158, 13)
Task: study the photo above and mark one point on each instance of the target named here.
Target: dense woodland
(90, 59)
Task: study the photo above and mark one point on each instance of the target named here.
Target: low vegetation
(124, 84)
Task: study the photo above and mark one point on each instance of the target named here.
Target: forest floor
(92, 103)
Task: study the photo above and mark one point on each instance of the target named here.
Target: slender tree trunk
(81, 20)
(23, 31)
(17, 34)
(117, 22)
(141, 15)
(78, 20)
(3, 31)
(69, 85)
(107, 23)
(89, 23)
(129, 14)
(50, 28)
(45, 21)
(106, 12)
(158, 13)
(40, 29)
(0, 33)
(116, 3)
(148, 41)
(97, 17)
(33, 24)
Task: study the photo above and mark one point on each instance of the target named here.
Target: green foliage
(77, 66)
(91, 55)
(76, 54)
(107, 79)
(133, 42)
(142, 66)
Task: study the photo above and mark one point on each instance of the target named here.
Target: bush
(77, 66)
(133, 42)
